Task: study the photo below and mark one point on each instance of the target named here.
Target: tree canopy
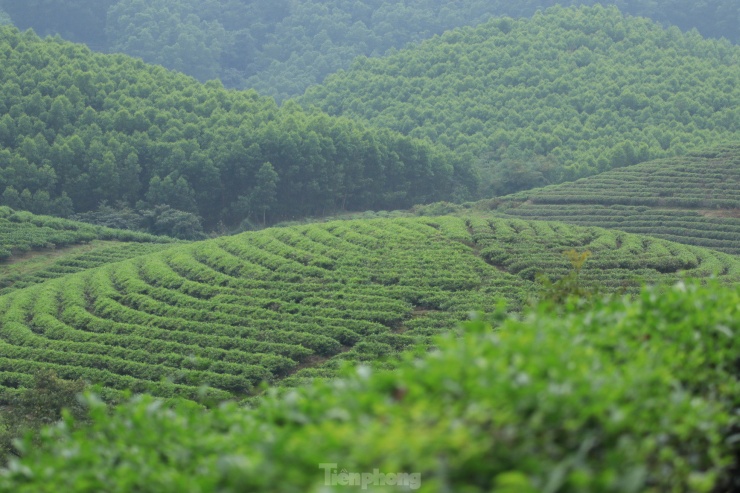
(570, 92)
(282, 47)
(79, 128)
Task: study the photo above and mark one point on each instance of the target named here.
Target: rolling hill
(297, 302)
(78, 129)
(242, 363)
(565, 94)
(280, 48)
(693, 199)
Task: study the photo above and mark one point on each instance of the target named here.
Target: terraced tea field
(22, 231)
(40, 266)
(295, 302)
(35, 248)
(693, 200)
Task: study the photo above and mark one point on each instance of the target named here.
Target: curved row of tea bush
(693, 228)
(93, 255)
(296, 302)
(705, 179)
(633, 395)
(21, 231)
(693, 199)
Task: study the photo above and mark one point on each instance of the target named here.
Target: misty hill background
(281, 47)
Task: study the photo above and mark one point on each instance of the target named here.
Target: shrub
(632, 395)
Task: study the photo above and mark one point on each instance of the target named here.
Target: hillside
(281, 47)
(38, 266)
(79, 129)
(630, 396)
(36, 248)
(296, 302)
(693, 199)
(21, 232)
(568, 93)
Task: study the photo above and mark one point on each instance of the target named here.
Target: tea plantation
(693, 199)
(39, 267)
(36, 248)
(295, 302)
(22, 231)
(630, 396)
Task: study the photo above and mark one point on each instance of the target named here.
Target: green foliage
(264, 196)
(282, 47)
(567, 288)
(290, 304)
(180, 35)
(166, 220)
(76, 20)
(89, 129)
(119, 216)
(41, 404)
(22, 231)
(693, 199)
(568, 93)
(512, 175)
(159, 220)
(631, 396)
(436, 209)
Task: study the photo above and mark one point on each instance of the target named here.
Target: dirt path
(41, 258)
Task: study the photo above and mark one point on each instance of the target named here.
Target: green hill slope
(36, 248)
(77, 129)
(22, 231)
(628, 397)
(568, 93)
(296, 302)
(693, 199)
(282, 47)
(39, 266)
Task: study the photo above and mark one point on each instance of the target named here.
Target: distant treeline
(78, 129)
(283, 46)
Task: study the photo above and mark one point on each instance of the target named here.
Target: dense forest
(78, 129)
(281, 47)
(568, 93)
(483, 111)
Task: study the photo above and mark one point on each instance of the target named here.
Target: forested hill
(283, 46)
(565, 94)
(78, 128)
